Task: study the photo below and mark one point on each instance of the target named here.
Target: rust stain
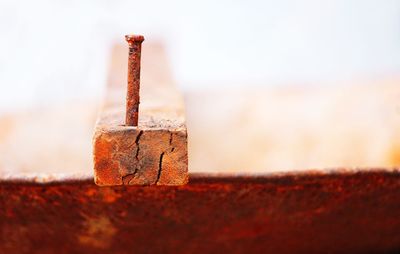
(98, 232)
(109, 195)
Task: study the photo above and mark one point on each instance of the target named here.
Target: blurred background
(268, 85)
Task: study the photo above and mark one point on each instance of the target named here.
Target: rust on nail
(132, 96)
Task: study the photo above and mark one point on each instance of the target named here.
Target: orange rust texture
(334, 213)
(133, 97)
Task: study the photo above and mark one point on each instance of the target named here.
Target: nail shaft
(132, 96)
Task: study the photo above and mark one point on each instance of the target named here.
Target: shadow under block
(154, 152)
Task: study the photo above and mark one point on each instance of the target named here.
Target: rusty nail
(132, 96)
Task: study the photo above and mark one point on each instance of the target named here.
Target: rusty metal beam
(346, 212)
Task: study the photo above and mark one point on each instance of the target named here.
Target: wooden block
(154, 152)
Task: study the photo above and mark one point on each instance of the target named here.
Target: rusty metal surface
(132, 96)
(344, 212)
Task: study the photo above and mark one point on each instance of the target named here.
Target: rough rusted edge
(195, 178)
(42, 179)
(292, 175)
(297, 173)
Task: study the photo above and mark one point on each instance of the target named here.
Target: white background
(52, 51)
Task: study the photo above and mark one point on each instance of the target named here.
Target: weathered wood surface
(154, 152)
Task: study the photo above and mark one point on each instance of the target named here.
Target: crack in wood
(137, 145)
(170, 142)
(159, 168)
(137, 155)
(129, 177)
